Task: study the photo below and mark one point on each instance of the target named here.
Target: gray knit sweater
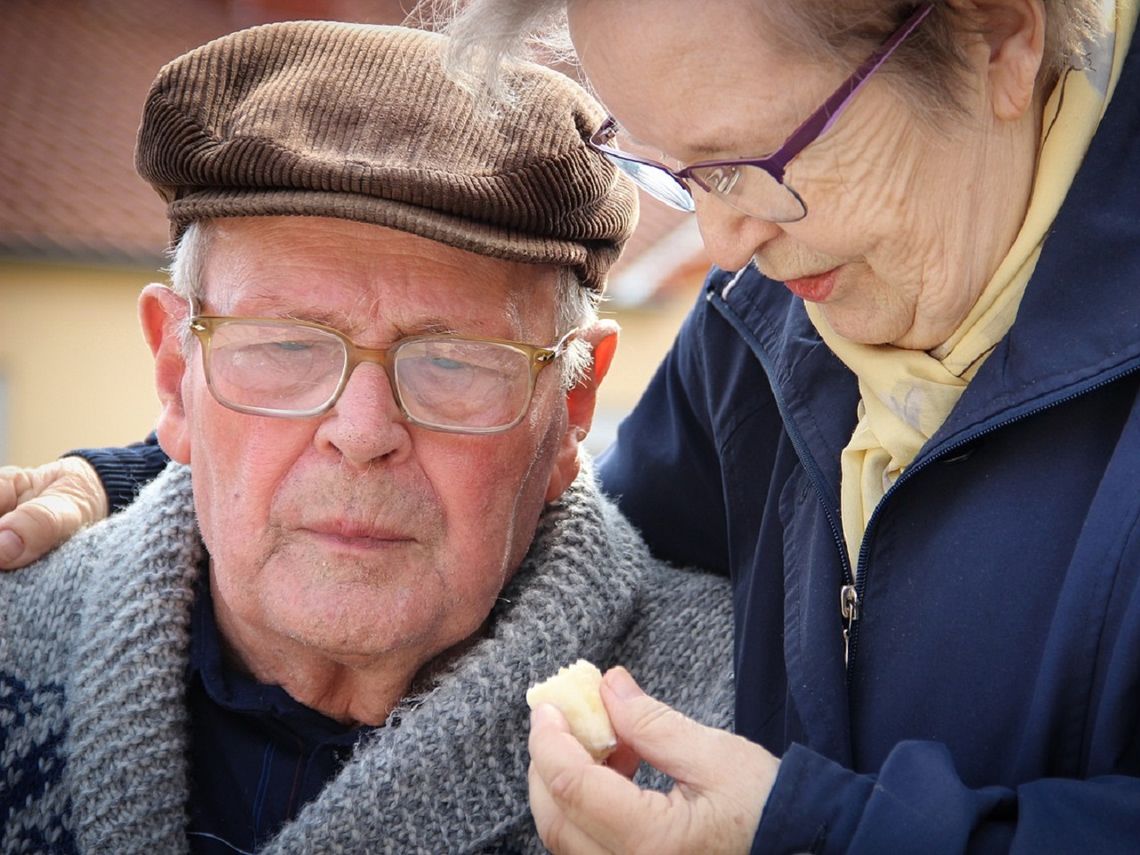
(94, 642)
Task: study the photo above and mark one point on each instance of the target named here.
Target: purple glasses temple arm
(821, 120)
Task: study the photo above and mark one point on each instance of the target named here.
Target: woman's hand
(580, 806)
(41, 507)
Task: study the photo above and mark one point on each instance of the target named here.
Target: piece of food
(575, 690)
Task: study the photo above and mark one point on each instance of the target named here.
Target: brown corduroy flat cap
(361, 122)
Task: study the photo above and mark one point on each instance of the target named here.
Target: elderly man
(314, 631)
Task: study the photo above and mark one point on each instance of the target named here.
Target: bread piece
(575, 690)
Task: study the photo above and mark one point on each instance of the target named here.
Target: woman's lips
(815, 288)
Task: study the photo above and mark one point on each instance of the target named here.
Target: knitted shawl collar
(447, 773)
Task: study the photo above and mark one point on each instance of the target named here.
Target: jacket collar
(1078, 325)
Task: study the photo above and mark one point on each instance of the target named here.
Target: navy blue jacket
(992, 697)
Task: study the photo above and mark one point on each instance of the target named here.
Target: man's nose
(731, 238)
(366, 423)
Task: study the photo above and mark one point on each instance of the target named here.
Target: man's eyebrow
(314, 315)
(354, 329)
(431, 326)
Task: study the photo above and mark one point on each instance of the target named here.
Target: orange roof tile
(73, 77)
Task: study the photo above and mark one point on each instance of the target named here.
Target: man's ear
(1015, 33)
(602, 337)
(162, 314)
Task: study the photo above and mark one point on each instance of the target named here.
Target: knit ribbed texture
(361, 122)
(94, 647)
(124, 471)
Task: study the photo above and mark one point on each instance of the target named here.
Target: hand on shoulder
(42, 506)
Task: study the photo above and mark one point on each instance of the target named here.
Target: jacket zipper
(849, 610)
(852, 595)
(849, 602)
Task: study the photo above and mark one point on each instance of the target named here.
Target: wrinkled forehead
(695, 83)
(351, 274)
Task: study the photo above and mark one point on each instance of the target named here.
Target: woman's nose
(731, 238)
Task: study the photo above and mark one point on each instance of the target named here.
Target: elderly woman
(904, 416)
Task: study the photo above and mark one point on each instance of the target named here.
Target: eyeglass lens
(752, 190)
(749, 189)
(456, 383)
(288, 369)
(655, 181)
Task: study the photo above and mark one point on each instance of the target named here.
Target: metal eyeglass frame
(775, 163)
(203, 327)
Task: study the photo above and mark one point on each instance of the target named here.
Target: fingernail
(622, 684)
(544, 714)
(11, 545)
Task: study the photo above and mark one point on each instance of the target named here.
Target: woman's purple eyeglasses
(754, 186)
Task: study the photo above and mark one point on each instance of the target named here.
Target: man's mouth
(357, 535)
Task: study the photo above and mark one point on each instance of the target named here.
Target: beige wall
(646, 334)
(74, 369)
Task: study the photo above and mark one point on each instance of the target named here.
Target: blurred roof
(74, 77)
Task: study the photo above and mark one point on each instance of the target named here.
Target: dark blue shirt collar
(232, 689)
(257, 755)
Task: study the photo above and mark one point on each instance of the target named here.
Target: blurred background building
(80, 233)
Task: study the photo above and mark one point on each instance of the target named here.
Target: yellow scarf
(906, 395)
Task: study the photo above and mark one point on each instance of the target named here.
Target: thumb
(663, 737)
(35, 527)
(43, 506)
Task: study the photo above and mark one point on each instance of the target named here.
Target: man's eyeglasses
(297, 369)
(754, 186)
